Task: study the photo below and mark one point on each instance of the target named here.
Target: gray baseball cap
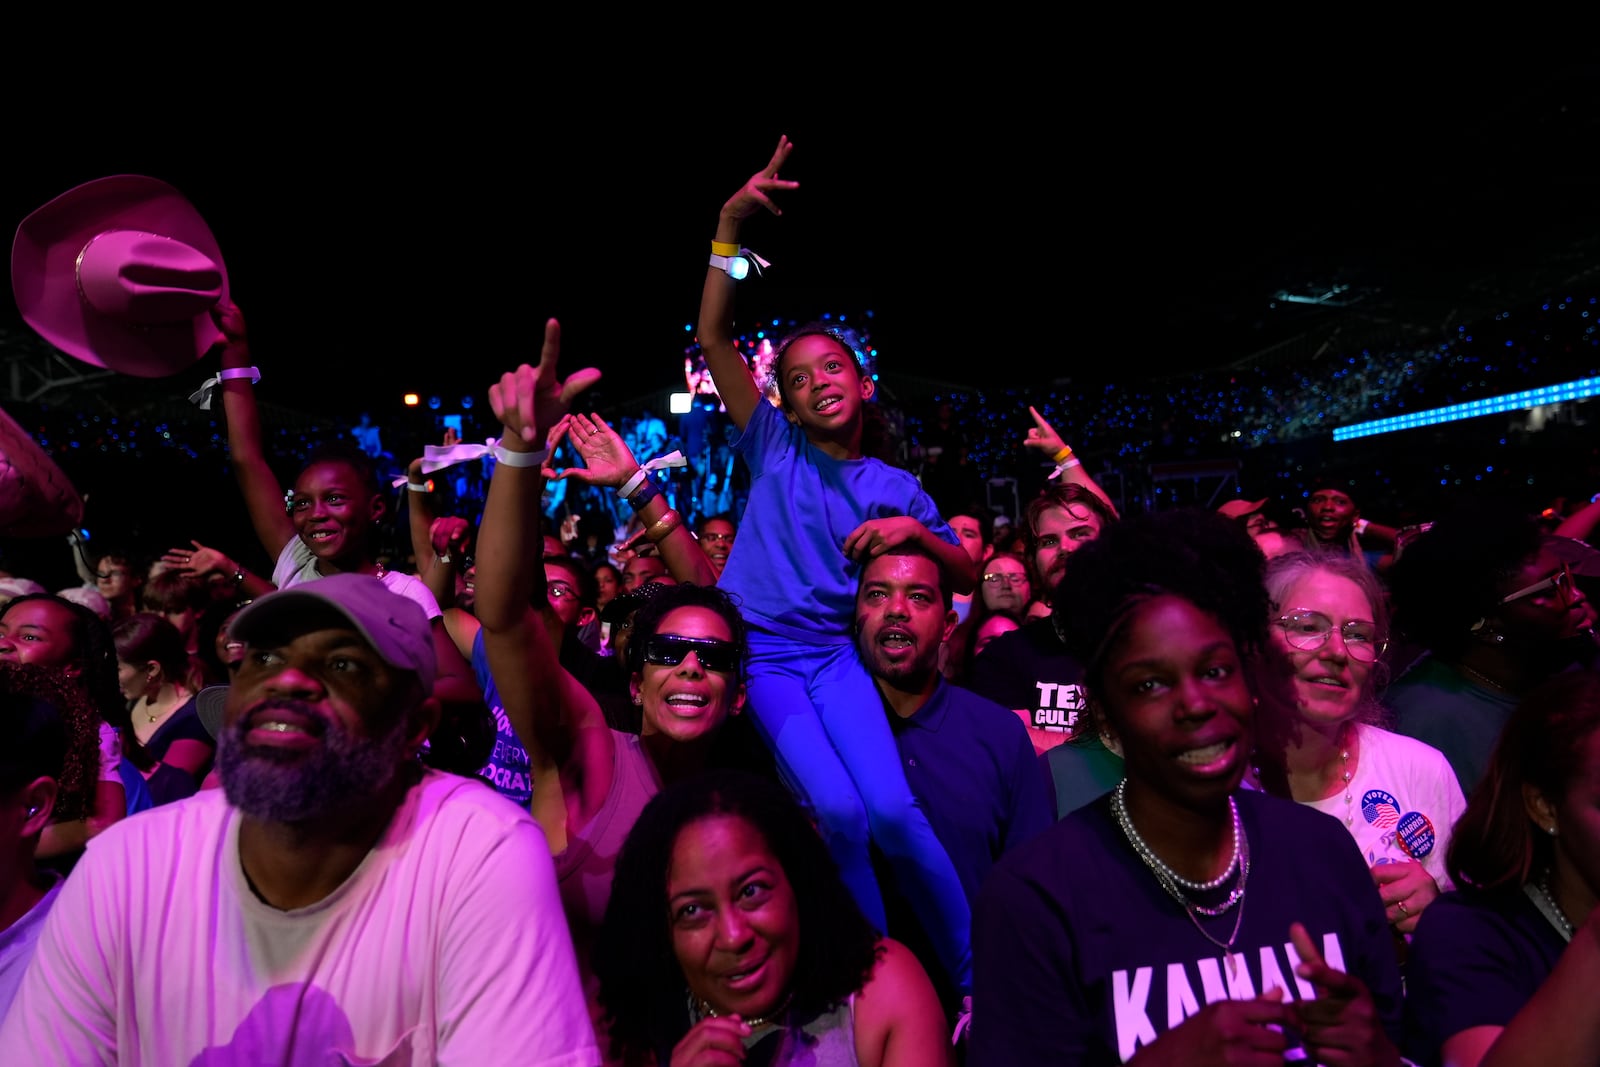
(395, 626)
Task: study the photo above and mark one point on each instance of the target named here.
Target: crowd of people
(843, 774)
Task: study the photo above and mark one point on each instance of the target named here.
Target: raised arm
(1043, 437)
(877, 536)
(729, 371)
(548, 709)
(263, 496)
(420, 522)
(607, 462)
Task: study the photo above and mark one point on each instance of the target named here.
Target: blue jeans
(821, 715)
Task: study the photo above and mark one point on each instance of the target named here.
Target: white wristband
(632, 485)
(520, 459)
(1361, 526)
(201, 397)
(420, 487)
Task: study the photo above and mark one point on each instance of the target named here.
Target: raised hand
(1340, 1025)
(529, 401)
(756, 192)
(1042, 435)
(1406, 889)
(606, 458)
(236, 344)
(198, 561)
(451, 537)
(877, 536)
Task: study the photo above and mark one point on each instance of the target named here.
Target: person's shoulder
(1061, 848)
(1279, 815)
(1469, 919)
(1409, 751)
(456, 802)
(981, 710)
(158, 831)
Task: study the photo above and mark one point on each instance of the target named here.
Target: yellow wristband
(723, 248)
(1063, 455)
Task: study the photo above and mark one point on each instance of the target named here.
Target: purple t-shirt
(1079, 955)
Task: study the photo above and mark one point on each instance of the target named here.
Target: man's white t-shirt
(296, 565)
(447, 945)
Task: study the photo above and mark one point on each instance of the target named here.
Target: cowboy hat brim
(44, 265)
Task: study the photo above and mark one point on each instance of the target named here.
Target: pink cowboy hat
(121, 273)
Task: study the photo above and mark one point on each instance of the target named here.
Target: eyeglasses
(1307, 630)
(1560, 582)
(669, 650)
(1002, 578)
(717, 537)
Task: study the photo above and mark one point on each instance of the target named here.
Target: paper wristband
(1064, 466)
(438, 457)
(201, 397)
(674, 458)
(724, 248)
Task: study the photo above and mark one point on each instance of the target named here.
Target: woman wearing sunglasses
(1396, 795)
(685, 659)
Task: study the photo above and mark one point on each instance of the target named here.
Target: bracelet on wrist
(657, 531)
(646, 493)
(520, 459)
(724, 248)
(1063, 455)
(420, 487)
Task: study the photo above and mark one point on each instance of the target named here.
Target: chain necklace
(1170, 880)
(1485, 679)
(704, 1010)
(1347, 774)
(1545, 901)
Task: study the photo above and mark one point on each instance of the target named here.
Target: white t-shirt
(1405, 801)
(446, 946)
(296, 564)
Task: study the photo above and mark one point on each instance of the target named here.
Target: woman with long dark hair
(152, 670)
(730, 938)
(1503, 971)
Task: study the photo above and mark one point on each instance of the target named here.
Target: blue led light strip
(1528, 398)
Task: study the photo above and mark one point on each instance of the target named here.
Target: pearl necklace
(1119, 805)
(1171, 881)
(1347, 774)
(704, 1010)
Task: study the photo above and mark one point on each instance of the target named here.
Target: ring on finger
(1404, 913)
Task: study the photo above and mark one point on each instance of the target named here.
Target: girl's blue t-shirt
(788, 570)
